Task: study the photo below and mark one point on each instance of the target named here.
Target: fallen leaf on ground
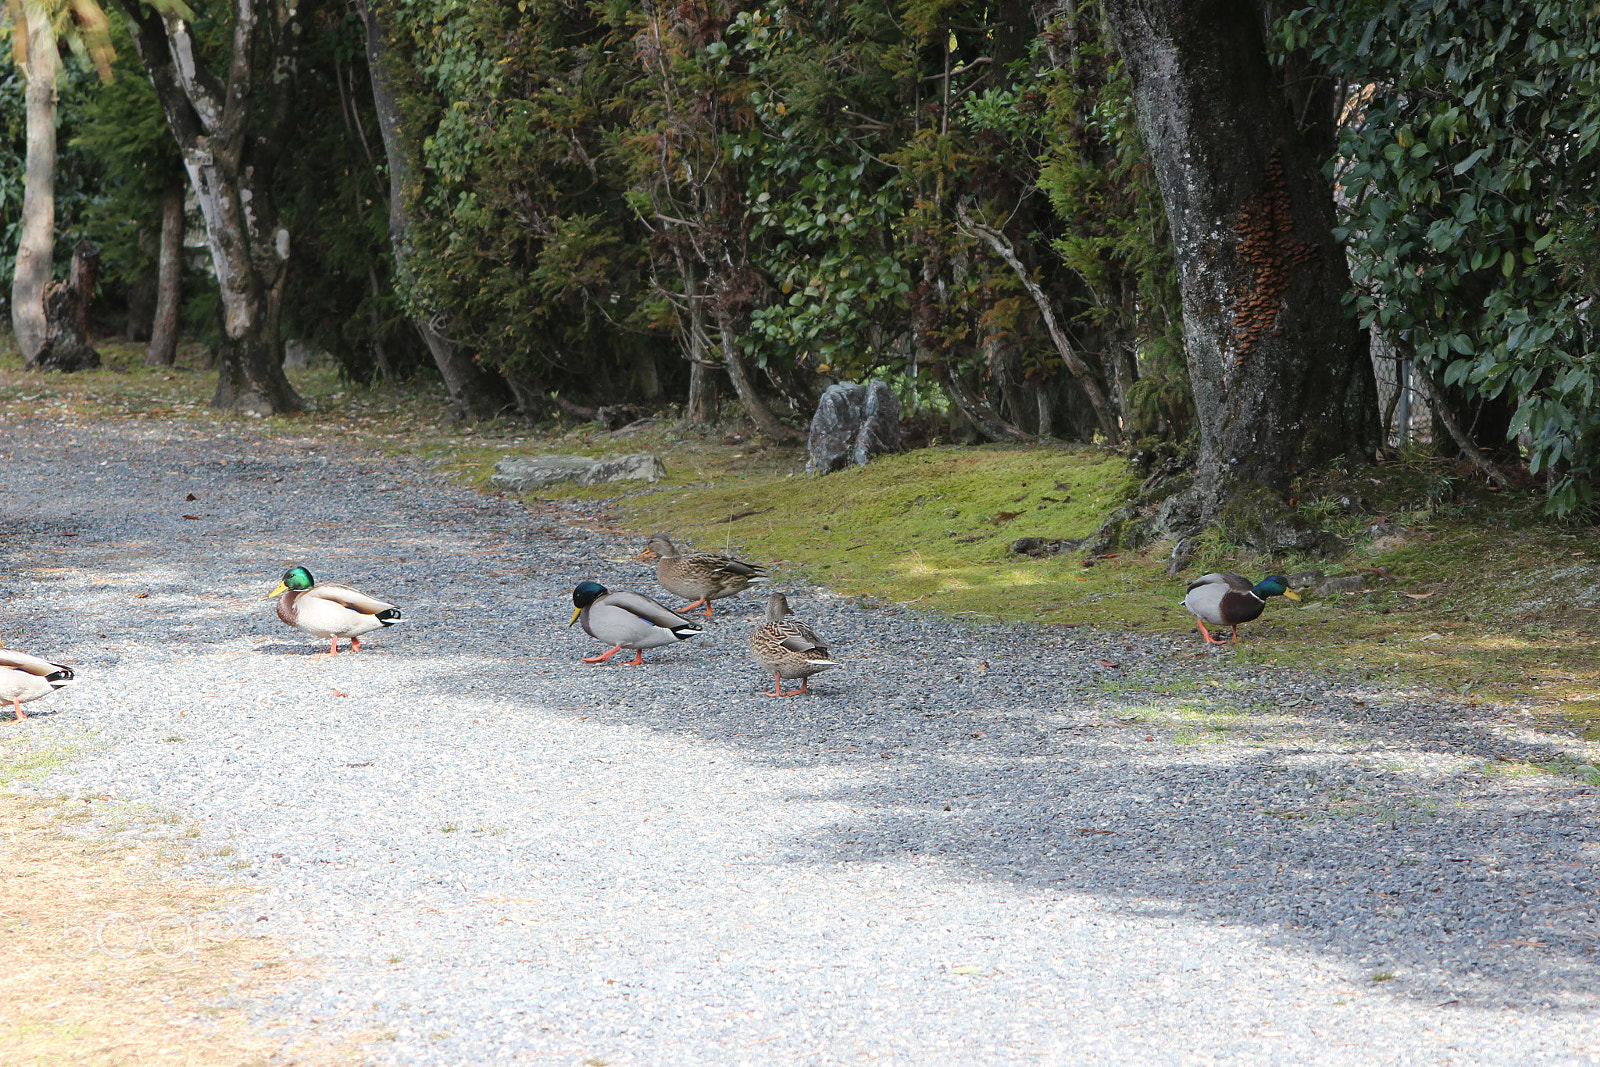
(1108, 663)
(1418, 596)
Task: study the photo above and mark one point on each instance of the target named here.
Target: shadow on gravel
(1384, 836)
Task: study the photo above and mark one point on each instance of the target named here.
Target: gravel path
(970, 846)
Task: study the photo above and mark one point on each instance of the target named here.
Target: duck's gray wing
(1232, 581)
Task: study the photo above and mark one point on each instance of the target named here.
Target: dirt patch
(108, 958)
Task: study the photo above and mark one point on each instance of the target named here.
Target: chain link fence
(1408, 418)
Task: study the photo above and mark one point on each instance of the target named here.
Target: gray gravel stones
(971, 845)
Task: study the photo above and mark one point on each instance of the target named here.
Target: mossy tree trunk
(1281, 377)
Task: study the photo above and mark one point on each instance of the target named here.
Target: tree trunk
(647, 381)
(754, 406)
(1080, 370)
(1458, 433)
(163, 350)
(977, 410)
(700, 406)
(1280, 373)
(476, 392)
(142, 294)
(36, 245)
(230, 135)
(66, 313)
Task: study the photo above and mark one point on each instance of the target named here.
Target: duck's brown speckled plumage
(788, 648)
(701, 576)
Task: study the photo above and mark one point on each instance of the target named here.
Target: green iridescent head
(1274, 585)
(296, 578)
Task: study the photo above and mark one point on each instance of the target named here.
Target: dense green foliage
(1467, 163)
(609, 190)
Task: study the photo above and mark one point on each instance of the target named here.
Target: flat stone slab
(522, 473)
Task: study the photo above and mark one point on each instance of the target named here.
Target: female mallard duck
(331, 611)
(1228, 600)
(627, 620)
(24, 677)
(788, 648)
(702, 576)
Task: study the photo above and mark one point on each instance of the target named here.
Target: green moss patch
(931, 527)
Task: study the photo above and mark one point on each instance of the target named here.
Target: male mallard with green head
(1228, 600)
(788, 648)
(701, 576)
(24, 678)
(330, 611)
(627, 620)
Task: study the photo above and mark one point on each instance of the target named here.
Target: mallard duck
(788, 648)
(700, 576)
(331, 611)
(1228, 600)
(24, 678)
(627, 620)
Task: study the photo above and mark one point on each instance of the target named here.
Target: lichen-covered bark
(1281, 377)
(231, 131)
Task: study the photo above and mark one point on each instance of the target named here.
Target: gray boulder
(297, 354)
(523, 473)
(638, 467)
(853, 423)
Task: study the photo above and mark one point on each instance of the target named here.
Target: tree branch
(1078, 368)
(1457, 434)
(205, 95)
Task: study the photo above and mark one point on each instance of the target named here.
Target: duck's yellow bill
(278, 589)
(575, 613)
(1291, 594)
